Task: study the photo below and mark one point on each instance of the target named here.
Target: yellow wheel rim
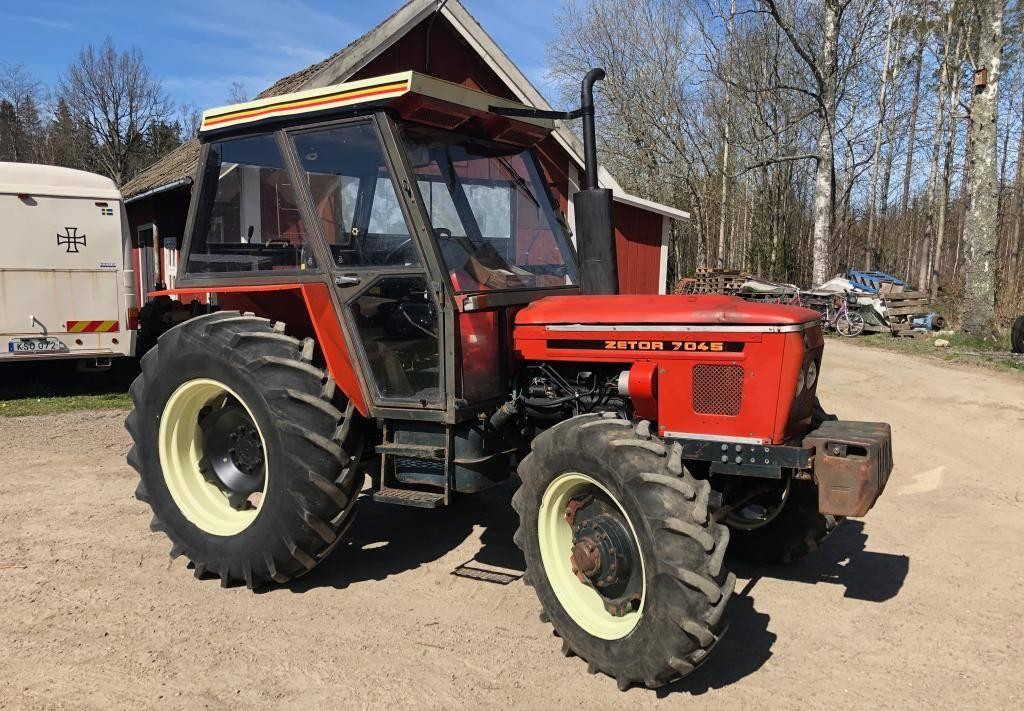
(582, 602)
(180, 443)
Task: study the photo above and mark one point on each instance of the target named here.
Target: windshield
(490, 213)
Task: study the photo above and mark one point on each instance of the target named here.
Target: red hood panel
(710, 309)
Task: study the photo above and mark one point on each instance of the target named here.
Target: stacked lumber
(718, 281)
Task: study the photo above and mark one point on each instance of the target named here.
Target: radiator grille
(717, 389)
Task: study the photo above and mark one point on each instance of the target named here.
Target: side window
(248, 219)
(355, 198)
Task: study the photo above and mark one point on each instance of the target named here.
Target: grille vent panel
(717, 389)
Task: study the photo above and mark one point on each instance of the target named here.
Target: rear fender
(308, 311)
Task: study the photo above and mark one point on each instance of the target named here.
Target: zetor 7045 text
(374, 282)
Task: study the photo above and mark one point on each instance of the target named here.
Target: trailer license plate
(34, 345)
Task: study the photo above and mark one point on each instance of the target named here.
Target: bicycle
(839, 317)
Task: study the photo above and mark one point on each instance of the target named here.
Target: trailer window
(248, 217)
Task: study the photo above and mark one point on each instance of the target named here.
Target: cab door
(389, 304)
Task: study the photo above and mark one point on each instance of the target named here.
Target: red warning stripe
(93, 326)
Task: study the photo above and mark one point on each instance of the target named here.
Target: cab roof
(416, 97)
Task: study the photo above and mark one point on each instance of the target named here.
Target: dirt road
(917, 607)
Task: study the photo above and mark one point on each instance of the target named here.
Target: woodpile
(714, 281)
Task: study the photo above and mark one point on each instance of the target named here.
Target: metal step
(409, 497)
(411, 451)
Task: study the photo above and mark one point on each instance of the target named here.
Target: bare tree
(814, 30)
(114, 95)
(788, 127)
(21, 129)
(723, 204)
(191, 118)
(980, 235)
(870, 255)
(237, 93)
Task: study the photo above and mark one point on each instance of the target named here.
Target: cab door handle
(346, 280)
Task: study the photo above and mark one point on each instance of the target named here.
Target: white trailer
(67, 284)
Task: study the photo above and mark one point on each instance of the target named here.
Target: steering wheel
(442, 233)
(403, 246)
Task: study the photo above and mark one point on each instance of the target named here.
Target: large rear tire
(779, 526)
(621, 550)
(1017, 335)
(249, 465)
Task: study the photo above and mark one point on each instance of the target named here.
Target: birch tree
(980, 233)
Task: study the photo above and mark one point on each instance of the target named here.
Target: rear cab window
(248, 217)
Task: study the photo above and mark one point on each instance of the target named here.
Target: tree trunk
(924, 270)
(723, 205)
(940, 230)
(883, 203)
(1018, 208)
(947, 176)
(908, 171)
(965, 181)
(824, 197)
(980, 232)
(870, 253)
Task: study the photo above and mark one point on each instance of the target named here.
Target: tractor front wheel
(621, 550)
(249, 465)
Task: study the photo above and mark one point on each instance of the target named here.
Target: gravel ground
(916, 606)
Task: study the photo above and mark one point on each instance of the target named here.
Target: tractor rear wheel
(249, 466)
(1017, 335)
(775, 522)
(621, 550)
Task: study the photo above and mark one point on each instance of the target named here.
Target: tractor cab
(423, 213)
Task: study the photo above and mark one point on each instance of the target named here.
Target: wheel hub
(603, 553)
(233, 452)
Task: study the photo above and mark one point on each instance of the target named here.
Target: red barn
(447, 43)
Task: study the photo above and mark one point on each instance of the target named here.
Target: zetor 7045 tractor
(389, 289)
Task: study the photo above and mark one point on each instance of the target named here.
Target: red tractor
(387, 289)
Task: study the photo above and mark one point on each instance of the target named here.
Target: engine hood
(681, 309)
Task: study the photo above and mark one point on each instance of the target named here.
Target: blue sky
(199, 48)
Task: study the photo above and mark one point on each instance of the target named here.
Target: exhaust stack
(595, 232)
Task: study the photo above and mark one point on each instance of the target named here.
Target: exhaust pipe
(595, 232)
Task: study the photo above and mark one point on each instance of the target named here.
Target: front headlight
(799, 383)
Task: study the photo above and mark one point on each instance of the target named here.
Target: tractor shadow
(387, 540)
(60, 378)
(744, 650)
(842, 560)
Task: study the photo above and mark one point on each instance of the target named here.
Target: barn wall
(638, 249)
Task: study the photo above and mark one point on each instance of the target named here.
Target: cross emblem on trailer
(71, 239)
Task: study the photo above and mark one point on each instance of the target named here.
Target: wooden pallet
(902, 307)
(718, 281)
